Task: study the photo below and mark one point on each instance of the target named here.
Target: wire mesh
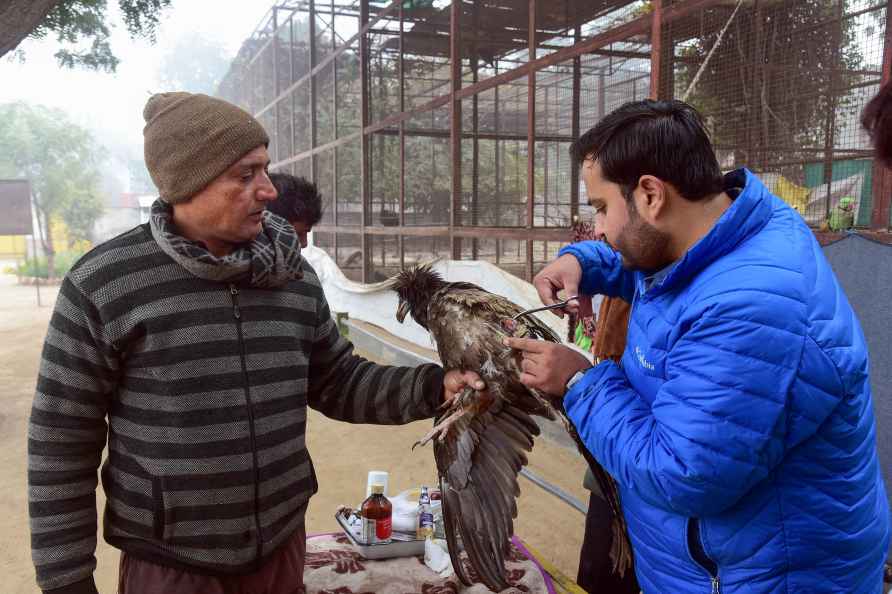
(781, 94)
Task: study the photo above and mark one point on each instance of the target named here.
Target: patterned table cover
(334, 567)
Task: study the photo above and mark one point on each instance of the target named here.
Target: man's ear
(652, 197)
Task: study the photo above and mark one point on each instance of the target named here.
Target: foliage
(768, 82)
(39, 267)
(75, 21)
(195, 64)
(60, 159)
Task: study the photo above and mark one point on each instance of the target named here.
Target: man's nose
(267, 191)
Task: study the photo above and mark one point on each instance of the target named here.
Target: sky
(110, 105)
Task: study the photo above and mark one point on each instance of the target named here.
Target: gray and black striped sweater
(204, 386)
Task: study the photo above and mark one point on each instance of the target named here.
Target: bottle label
(426, 520)
(375, 531)
(368, 531)
(383, 529)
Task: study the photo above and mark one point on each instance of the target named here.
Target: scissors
(558, 305)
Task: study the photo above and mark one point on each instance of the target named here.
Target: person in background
(299, 203)
(877, 120)
(192, 346)
(605, 337)
(740, 426)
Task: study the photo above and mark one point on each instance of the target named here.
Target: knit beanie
(191, 139)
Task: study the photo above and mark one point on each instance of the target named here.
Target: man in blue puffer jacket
(739, 425)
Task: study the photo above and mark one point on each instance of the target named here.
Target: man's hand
(564, 273)
(457, 380)
(547, 366)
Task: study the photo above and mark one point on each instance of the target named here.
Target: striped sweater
(204, 387)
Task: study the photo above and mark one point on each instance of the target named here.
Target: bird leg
(441, 429)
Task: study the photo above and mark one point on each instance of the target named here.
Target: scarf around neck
(270, 260)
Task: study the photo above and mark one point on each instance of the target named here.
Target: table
(333, 567)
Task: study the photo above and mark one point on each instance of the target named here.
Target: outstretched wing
(483, 452)
(478, 464)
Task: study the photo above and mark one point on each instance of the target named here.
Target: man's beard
(642, 246)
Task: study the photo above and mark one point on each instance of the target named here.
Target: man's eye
(246, 177)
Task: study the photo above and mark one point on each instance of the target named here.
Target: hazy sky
(111, 104)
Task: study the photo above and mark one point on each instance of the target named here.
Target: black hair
(877, 120)
(666, 139)
(299, 199)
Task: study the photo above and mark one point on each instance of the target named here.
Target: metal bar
(291, 146)
(498, 166)
(554, 490)
(656, 47)
(575, 132)
(559, 234)
(602, 95)
(475, 124)
(402, 141)
(830, 129)
(531, 135)
(882, 178)
(314, 91)
(432, 133)
(455, 122)
(275, 48)
(364, 139)
(332, 56)
(334, 134)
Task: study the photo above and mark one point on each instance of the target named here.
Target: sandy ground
(342, 454)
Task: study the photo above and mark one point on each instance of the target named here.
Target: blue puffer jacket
(740, 426)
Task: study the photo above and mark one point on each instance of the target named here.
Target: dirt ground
(342, 454)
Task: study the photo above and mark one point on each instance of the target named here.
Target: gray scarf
(269, 260)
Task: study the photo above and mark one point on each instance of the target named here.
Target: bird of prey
(481, 439)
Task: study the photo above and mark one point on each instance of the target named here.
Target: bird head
(415, 287)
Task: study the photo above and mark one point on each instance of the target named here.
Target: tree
(767, 84)
(61, 161)
(195, 64)
(74, 21)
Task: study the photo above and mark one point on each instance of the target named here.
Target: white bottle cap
(376, 476)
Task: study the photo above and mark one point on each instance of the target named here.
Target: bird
(480, 440)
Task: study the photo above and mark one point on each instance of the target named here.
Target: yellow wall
(13, 245)
(61, 241)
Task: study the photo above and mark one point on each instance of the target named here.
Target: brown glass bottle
(376, 516)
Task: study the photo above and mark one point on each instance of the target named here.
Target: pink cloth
(334, 567)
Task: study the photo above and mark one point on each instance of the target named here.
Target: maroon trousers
(283, 573)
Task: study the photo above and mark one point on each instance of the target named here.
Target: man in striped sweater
(192, 346)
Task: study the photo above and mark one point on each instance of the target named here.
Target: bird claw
(440, 430)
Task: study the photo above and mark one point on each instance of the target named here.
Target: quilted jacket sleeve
(716, 426)
(602, 270)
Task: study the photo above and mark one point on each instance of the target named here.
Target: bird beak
(401, 311)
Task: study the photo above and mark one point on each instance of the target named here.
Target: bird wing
(478, 464)
(481, 456)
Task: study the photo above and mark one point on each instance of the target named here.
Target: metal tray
(400, 545)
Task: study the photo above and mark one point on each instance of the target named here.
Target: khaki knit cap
(191, 139)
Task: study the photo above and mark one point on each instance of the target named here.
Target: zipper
(237, 313)
(699, 556)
